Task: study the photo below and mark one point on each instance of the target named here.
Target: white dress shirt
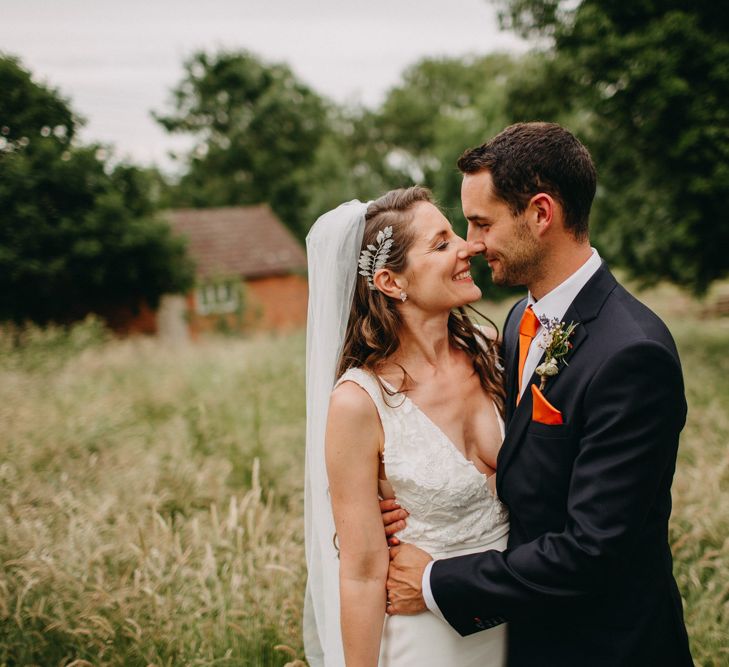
(551, 305)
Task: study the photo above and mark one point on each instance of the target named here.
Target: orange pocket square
(542, 410)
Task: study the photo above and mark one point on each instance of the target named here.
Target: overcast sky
(118, 59)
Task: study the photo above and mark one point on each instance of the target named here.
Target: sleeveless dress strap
(367, 381)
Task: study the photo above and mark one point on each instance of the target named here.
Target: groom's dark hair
(527, 158)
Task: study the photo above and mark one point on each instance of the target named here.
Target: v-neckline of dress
(443, 434)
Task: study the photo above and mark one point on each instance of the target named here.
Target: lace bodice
(449, 501)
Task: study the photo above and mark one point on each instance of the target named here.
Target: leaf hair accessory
(373, 257)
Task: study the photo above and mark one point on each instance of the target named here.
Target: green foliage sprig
(556, 345)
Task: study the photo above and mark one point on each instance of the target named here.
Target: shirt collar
(554, 304)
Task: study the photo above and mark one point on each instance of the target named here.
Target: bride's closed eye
(443, 245)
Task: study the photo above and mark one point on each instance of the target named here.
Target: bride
(405, 399)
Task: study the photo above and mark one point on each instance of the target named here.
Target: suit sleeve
(634, 409)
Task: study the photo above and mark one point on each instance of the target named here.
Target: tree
(76, 237)
(256, 130)
(652, 81)
(351, 162)
(442, 99)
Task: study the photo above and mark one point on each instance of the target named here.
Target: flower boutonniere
(556, 344)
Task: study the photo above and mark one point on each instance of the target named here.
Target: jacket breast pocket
(550, 451)
(549, 430)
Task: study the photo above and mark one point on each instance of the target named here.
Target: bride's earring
(403, 296)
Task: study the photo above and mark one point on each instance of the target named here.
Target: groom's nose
(475, 247)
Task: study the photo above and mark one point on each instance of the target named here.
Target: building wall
(277, 303)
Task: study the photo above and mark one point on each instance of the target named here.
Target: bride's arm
(353, 441)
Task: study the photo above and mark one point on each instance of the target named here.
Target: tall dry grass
(151, 511)
(700, 520)
(151, 506)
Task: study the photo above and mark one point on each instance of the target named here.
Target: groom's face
(509, 246)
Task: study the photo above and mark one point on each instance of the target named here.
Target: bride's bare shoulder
(350, 401)
(353, 424)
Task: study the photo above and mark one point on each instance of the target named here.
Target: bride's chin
(475, 296)
(464, 302)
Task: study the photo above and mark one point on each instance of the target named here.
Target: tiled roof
(246, 241)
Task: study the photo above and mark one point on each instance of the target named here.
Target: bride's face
(437, 276)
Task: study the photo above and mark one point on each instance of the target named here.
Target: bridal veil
(333, 247)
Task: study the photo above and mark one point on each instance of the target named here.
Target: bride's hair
(374, 320)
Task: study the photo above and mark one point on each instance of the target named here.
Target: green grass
(152, 496)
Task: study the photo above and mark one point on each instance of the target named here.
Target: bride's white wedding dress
(452, 512)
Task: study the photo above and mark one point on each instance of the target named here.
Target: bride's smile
(463, 275)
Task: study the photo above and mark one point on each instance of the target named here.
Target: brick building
(250, 270)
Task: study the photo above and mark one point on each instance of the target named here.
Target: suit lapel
(585, 308)
(519, 421)
(511, 358)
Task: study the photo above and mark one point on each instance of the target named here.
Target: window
(218, 297)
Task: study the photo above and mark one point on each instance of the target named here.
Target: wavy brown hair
(374, 319)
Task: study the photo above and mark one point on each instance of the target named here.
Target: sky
(118, 60)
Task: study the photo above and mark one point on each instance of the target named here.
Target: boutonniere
(556, 344)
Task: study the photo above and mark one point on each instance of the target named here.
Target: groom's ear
(544, 211)
(388, 283)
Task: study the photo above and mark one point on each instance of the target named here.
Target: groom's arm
(634, 411)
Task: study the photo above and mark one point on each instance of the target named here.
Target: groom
(590, 451)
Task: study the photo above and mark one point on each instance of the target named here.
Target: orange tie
(528, 328)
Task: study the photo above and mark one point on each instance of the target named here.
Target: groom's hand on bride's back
(393, 517)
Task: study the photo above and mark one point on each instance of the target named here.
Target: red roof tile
(246, 241)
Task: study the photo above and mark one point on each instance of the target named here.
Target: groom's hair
(528, 158)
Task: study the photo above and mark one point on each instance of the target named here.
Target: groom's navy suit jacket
(587, 578)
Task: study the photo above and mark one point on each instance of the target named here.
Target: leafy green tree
(27, 109)
(75, 237)
(256, 130)
(650, 82)
(351, 162)
(442, 99)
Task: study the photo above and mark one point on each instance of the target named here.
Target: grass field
(152, 497)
